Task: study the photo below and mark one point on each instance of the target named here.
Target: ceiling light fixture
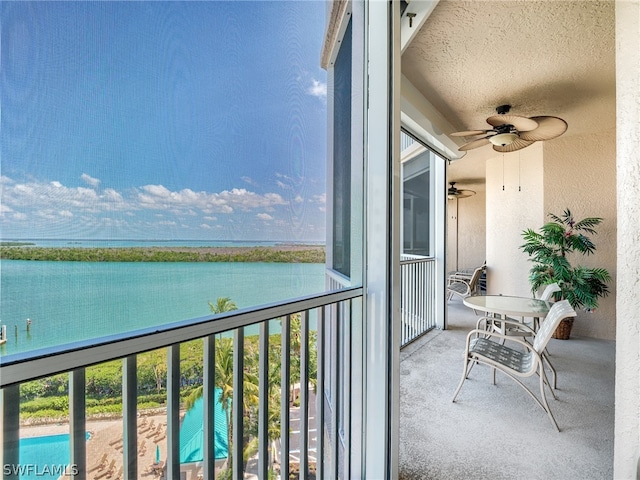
(503, 139)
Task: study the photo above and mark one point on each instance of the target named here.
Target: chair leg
(544, 398)
(551, 367)
(465, 372)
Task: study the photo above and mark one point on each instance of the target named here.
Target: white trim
(382, 210)
(420, 116)
(422, 10)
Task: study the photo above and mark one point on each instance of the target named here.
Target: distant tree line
(159, 254)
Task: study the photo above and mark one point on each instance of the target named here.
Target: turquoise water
(44, 457)
(90, 243)
(72, 301)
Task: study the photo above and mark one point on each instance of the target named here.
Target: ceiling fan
(513, 132)
(453, 192)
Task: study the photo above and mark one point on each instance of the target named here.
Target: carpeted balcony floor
(497, 431)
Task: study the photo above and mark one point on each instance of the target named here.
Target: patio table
(509, 306)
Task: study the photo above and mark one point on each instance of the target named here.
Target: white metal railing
(331, 312)
(418, 300)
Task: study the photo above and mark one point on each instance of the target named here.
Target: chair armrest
(459, 277)
(509, 338)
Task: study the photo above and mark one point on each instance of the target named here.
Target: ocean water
(92, 243)
(72, 301)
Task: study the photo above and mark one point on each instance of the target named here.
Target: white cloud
(5, 209)
(249, 180)
(317, 89)
(322, 199)
(94, 182)
(46, 203)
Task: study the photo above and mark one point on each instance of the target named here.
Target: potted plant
(548, 250)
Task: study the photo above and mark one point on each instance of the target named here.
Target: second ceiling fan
(513, 132)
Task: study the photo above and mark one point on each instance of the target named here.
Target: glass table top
(506, 305)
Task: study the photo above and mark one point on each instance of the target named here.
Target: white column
(382, 212)
(627, 408)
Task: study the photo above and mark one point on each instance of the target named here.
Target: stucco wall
(509, 212)
(626, 462)
(580, 174)
(469, 233)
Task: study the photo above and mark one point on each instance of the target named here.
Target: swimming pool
(42, 458)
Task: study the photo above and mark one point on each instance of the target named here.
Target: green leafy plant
(548, 250)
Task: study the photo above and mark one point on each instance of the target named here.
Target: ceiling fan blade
(522, 124)
(474, 144)
(517, 144)
(464, 193)
(469, 133)
(548, 128)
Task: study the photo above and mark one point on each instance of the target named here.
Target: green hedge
(159, 254)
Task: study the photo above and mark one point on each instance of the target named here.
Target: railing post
(10, 404)
(263, 408)
(320, 395)
(304, 395)
(77, 423)
(129, 416)
(335, 402)
(173, 413)
(209, 399)
(238, 404)
(285, 379)
(347, 323)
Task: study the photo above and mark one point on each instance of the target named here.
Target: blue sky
(163, 120)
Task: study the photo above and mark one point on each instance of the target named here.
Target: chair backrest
(549, 291)
(558, 311)
(475, 278)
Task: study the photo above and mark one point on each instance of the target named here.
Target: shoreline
(284, 253)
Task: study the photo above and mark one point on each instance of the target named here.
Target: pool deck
(103, 435)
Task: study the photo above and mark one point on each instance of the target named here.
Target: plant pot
(564, 329)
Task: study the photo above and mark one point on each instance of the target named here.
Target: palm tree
(223, 304)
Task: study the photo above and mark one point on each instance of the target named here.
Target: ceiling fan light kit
(503, 139)
(513, 132)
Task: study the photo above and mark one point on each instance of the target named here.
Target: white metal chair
(464, 285)
(520, 328)
(486, 348)
(549, 291)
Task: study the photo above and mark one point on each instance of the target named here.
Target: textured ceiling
(553, 57)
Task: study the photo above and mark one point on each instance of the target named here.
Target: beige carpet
(498, 431)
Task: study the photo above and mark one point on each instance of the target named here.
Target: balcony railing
(324, 314)
(418, 302)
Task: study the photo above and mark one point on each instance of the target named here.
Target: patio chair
(486, 348)
(462, 284)
(549, 291)
(101, 464)
(546, 295)
(108, 472)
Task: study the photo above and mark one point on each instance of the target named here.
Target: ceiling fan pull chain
(519, 183)
(503, 171)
